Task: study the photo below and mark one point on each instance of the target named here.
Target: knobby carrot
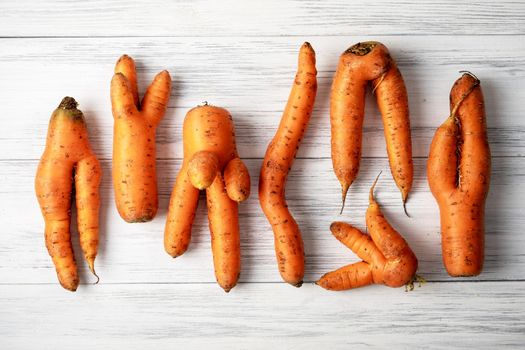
(69, 161)
(458, 171)
(211, 162)
(278, 162)
(387, 257)
(134, 171)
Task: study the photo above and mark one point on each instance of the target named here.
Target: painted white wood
(252, 78)
(483, 315)
(242, 55)
(260, 18)
(135, 253)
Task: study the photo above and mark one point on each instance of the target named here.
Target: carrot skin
(347, 277)
(442, 161)
(237, 180)
(392, 101)
(225, 238)
(202, 169)
(87, 181)
(126, 67)
(278, 160)
(183, 204)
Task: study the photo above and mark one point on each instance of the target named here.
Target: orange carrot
(68, 155)
(387, 258)
(134, 174)
(277, 163)
(459, 175)
(210, 161)
(362, 63)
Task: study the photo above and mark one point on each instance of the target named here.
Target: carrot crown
(69, 104)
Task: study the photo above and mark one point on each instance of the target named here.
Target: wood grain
(242, 55)
(135, 253)
(484, 315)
(232, 73)
(260, 18)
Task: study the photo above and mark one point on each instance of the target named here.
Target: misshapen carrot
(67, 160)
(134, 168)
(387, 257)
(278, 162)
(211, 162)
(458, 171)
(360, 64)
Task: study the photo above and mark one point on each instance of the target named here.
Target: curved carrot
(459, 175)
(209, 146)
(277, 163)
(360, 64)
(134, 174)
(68, 154)
(387, 257)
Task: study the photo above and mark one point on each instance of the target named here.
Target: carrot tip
(405, 207)
(298, 284)
(92, 269)
(371, 194)
(343, 194)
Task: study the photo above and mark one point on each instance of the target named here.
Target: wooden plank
(133, 253)
(483, 315)
(232, 72)
(260, 18)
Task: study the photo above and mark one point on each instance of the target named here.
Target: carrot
(134, 174)
(278, 162)
(68, 156)
(387, 257)
(362, 63)
(211, 162)
(459, 175)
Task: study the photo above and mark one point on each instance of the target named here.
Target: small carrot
(134, 174)
(360, 64)
(211, 163)
(387, 257)
(459, 175)
(277, 163)
(68, 156)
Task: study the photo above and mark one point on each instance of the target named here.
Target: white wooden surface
(242, 55)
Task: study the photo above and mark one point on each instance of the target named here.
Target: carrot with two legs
(134, 150)
(360, 64)
(68, 161)
(211, 163)
(458, 171)
(387, 257)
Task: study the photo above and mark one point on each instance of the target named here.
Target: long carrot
(211, 162)
(277, 163)
(387, 257)
(360, 64)
(134, 174)
(459, 175)
(68, 156)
